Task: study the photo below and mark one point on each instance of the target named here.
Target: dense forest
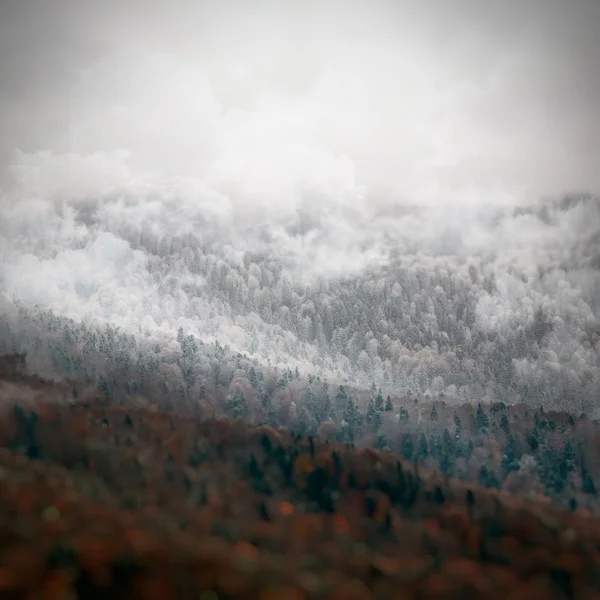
(498, 311)
(484, 368)
(299, 300)
(522, 448)
(113, 497)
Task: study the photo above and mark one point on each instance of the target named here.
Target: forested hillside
(107, 497)
(299, 300)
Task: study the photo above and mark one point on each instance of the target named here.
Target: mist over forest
(299, 300)
(496, 307)
(366, 213)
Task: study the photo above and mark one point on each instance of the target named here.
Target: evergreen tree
(457, 424)
(408, 447)
(509, 461)
(379, 405)
(534, 439)
(310, 401)
(271, 416)
(235, 404)
(488, 478)
(305, 425)
(469, 449)
(568, 455)
(103, 386)
(447, 442)
(381, 442)
(588, 485)
(253, 378)
(370, 415)
(423, 451)
(326, 407)
(353, 417)
(482, 420)
(341, 399)
(389, 407)
(377, 420)
(265, 399)
(446, 452)
(344, 434)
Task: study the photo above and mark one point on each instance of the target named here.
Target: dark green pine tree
(469, 449)
(103, 386)
(389, 407)
(353, 418)
(423, 451)
(534, 439)
(341, 399)
(253, 378)
(311, 402)
(266, 399)
(446, 457)
(235, 404)
(488, 478)
(447, 442)
(381, 442)
(379, 404)
(482, 420)
(408, 447)
(509, 460)
(326, 407)
(568, 455)
(344, 434)
(588, 485)
(370, 414)
(271, 416)
(377, 420)
(305, 424)
(457, 424)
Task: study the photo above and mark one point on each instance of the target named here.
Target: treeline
(519, 447)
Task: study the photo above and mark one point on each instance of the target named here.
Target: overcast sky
(413, 98)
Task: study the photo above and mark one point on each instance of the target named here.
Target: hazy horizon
(409, 99)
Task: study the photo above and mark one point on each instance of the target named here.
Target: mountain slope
(106, 500)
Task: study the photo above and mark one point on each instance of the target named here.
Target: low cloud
(365, 192)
